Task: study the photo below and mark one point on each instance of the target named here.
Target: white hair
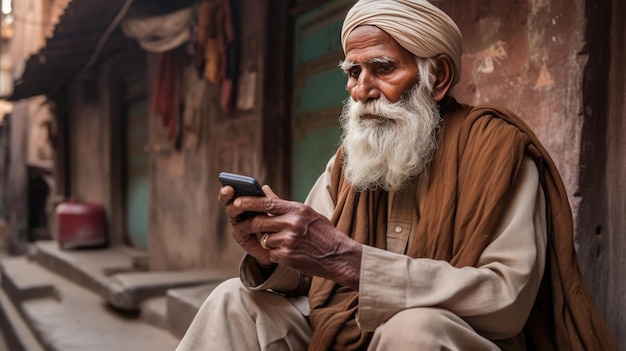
(387, 151)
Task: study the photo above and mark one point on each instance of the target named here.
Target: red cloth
(166, 91)
(216, 47)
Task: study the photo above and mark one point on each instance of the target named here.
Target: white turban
(418, 26)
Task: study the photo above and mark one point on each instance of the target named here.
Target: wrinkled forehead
(375, 46)
(418, 26)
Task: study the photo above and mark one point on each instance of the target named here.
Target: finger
(263, 239)
(225, 195)
(259, 236)
(269, 241)
(274, 206)
(269, 192)
(241, 230)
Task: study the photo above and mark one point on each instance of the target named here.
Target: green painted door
(137, 173)
(318, 92)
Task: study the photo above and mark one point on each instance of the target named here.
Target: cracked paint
(490, 57)
(545, 78)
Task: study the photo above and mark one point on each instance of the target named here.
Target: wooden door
(318, 92)
(136, 175)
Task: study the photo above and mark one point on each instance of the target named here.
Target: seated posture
(435, 226)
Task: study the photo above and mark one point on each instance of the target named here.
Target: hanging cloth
(160, 33)
(216, 47)
(166, 91)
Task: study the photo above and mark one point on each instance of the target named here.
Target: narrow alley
(117, 116)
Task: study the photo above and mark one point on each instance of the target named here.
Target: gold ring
(264, 241)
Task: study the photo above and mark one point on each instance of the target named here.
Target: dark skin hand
(300, 238)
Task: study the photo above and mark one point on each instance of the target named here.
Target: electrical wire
(105, 36)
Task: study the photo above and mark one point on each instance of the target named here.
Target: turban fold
(418, 26)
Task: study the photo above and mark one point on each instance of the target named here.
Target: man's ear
(445, 76)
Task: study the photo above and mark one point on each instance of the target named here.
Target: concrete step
(17, 334)
(90, 268)
(182, 305)
(111, 273)
(73, 318)
(23, 280)
(128, 290)
(154, 312)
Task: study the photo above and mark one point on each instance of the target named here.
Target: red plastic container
(80, 224)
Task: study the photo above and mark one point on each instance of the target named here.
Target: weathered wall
(179, 199)
(28, 145)
(95, 143)
(35, 21)
(550, 62)
(15, 204)
(601, 223)
(25, 120)
(39, 150)
(187, 225)
(615, 303)
(525, 55)
(88, 152)
(27, 37)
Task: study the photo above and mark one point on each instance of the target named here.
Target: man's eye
(385, 69)
(354, 73)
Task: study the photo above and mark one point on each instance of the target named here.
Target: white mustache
(380, 108)
(388, 151)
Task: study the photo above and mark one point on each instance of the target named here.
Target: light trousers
(235, 318)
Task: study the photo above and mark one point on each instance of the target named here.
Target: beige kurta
(495, 297)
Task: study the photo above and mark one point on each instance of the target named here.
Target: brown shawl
(479, 154)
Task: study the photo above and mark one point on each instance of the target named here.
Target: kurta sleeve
(283, 279)
(495, 297)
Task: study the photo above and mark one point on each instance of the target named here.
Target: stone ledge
(128, 290)
(183, 304)
(17, 334)
(74, 318)
(154, 312)
(168, 300)
(23, 280)
(89, 268)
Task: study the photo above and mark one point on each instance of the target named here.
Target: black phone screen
(244, 186)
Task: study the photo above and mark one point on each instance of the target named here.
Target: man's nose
(366, 88)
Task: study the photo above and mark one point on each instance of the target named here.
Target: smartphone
(244, 186)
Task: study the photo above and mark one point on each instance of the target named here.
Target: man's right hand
(250, 242)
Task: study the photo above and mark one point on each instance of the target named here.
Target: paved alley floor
(3, 253)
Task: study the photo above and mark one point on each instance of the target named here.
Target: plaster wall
(179, 199)
(88, 154)
(560, 65)
(601, 224)
(188, 228)
(29, 145)
(39, 150)
(15, 204)
(526, 55)
(27, 38)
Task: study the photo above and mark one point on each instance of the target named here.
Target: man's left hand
(302, 239)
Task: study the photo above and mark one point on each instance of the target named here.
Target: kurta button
(398, 229)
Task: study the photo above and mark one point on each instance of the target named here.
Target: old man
(435, 226)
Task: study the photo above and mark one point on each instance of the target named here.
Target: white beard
(394, 144)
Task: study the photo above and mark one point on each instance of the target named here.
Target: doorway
(318, 92)
(135, 175)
